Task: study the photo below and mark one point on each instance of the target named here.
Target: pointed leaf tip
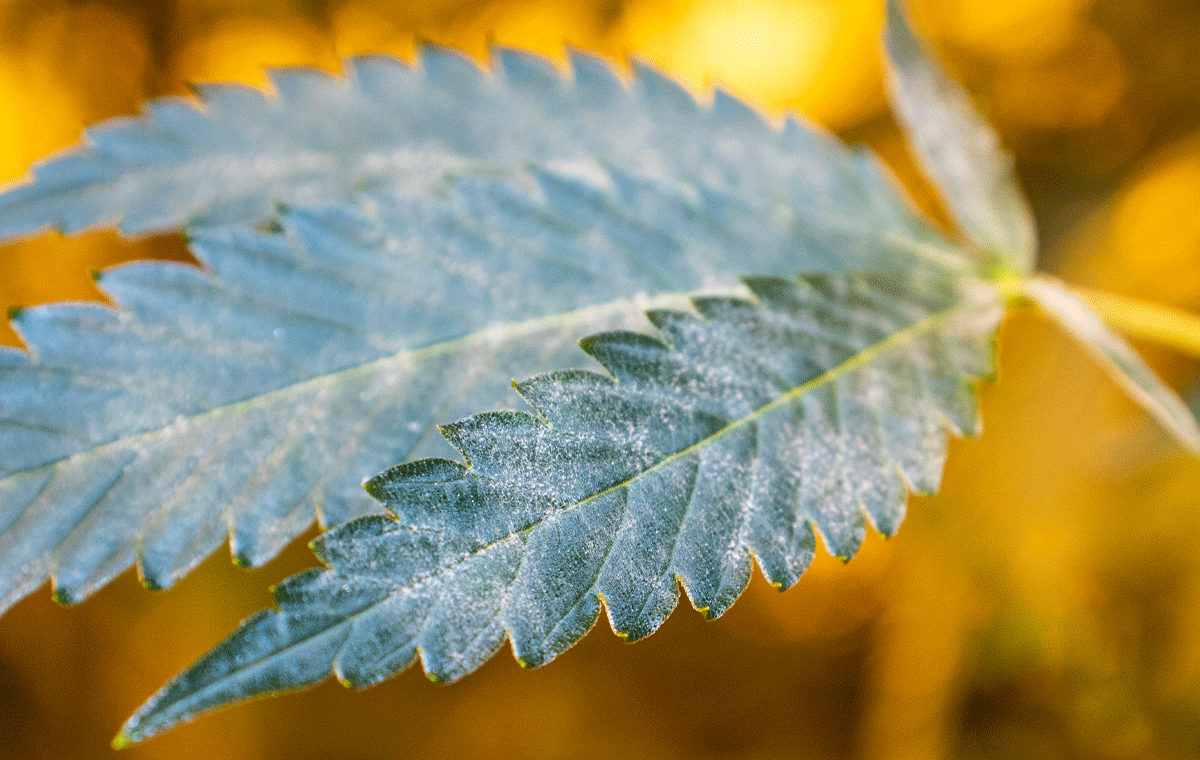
(958, 150)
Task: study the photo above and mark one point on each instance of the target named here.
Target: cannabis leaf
(756, 422)
(244, 401)
(384, 249)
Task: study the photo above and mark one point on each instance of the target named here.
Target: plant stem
(1144, 320)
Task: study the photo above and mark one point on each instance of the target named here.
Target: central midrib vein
(895, 340)
(418, 355)
(864, 357)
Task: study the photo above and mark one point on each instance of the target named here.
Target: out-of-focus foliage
(1046, 604)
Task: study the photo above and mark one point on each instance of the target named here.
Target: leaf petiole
(1144, 320)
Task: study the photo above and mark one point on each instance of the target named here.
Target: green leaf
(1117, 357)
(758, 424)
(245, 402)
(242, 402)
(230, 157)
(958, 149)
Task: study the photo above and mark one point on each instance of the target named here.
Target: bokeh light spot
(766, 50)
(237, 49)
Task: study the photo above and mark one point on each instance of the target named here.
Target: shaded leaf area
(1117, 357)
(957, 148)
(246, 400)
(756, 426)
(231, 156)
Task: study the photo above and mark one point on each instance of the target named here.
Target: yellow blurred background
(1046, 604)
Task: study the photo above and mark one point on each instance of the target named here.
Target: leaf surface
(957, 148)
(1117, 357)
(244, 401)
(232, 156)
(758, 424)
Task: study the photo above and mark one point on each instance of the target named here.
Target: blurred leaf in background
(1046, 604)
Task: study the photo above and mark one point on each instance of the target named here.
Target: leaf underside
(242, 402)
(758, 424)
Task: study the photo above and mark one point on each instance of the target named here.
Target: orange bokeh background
(1046, 604)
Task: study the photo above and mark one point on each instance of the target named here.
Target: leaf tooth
(827, 496)
(950, 393)
(558, 464)
(638, 580)
(974, 355)
(527, 71)
(547, 391)
(257, 535)
(774, 531)
(785, 295)
(478, 437)
(935, 425)
(807, 137)
(76, 582)
(306, 85)
(464, 628)
(390, 485)
(672, 322)
(170, 550)
(709, 557)
(335, 546)
(232, 103)
(52, 332)
(876, 483)
(660, 93)
(595, 408)
(383, 639)
(596, 80)
(722, 367)
(330, 229)
(380, 77)
(888, 513)
(294, 591)
(174, 119)
(628, 355)
(553, 601)
(34, 537)
(450, 70)
(913, 430)
(481, 510)
(105, 541)
(727, 309)
(126, 139)
(734, 114)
